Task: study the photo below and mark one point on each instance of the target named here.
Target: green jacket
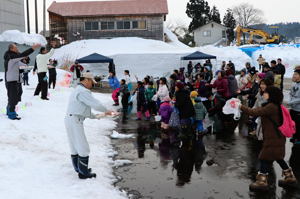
(149, 93)
(200, 111)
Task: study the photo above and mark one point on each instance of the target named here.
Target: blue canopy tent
(95, 58)
(198, 56)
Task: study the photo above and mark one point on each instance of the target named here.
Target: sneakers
(288, 178)
(261, 183)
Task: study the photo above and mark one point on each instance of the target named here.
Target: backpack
(174, 121)
(288, 127)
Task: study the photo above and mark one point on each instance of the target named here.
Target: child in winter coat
(295, 104)
(115, 85)
(128, 79)
(165, 111)
(193, 96)
(141, 102)
(124, 93)
(201, 112)
(149, 93)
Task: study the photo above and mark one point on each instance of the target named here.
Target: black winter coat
(184, 104)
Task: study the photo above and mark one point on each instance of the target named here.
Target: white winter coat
(82, 101)
(162, 92)
(42, 61)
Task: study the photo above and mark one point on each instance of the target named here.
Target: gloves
(45, 79)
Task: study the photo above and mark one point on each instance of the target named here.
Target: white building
(12, 15)
(211, 33)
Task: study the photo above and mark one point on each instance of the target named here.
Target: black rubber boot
(84, 173)
(75, 162)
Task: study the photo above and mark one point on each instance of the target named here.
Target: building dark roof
(109, 8)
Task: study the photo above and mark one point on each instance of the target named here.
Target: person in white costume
(80, 104)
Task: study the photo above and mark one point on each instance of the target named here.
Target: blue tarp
(250, 50)
(95, 58)
(197, 56)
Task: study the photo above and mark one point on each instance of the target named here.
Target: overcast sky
(274, 10)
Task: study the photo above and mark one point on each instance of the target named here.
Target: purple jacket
(165, 111)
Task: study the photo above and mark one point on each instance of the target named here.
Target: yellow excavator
(256, 36)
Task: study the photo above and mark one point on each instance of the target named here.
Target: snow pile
(35, 155)
(174, 40)
(109, 47)
(151, 57)
(121, 163)
(116, 135)
(22, 38)
(289, 55)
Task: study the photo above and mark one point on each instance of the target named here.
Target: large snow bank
(157, 58)
(35, 158)
(22, 38)
(290, 56)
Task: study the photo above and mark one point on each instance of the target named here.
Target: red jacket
(221, 85)
(73, 68)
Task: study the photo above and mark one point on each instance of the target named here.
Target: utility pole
(44, 18)
(36, 19)
(28, 18)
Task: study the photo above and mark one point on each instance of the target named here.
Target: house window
(223, 33)
(107, 25)
(126, 25)
(91, 25)
(207, 33)
(139, 25)
(121, 25)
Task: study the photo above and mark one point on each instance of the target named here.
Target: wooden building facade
(108, 19)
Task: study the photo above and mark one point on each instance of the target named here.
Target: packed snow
(116, 135)
(35, 159)
(22, 37)
(121, 163)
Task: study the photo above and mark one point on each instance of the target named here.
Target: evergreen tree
(214, 15)
(229, 22)
(199, 11)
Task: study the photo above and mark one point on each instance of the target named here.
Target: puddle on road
(164, 167)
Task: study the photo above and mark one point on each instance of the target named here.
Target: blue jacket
(114, 82)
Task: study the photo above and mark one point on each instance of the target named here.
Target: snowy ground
(35, 160)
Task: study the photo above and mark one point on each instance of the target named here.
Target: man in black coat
(281, 70)
(12, 58)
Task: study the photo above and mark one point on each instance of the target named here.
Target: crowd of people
(191, 100)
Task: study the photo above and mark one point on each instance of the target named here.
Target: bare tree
(246, 15)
